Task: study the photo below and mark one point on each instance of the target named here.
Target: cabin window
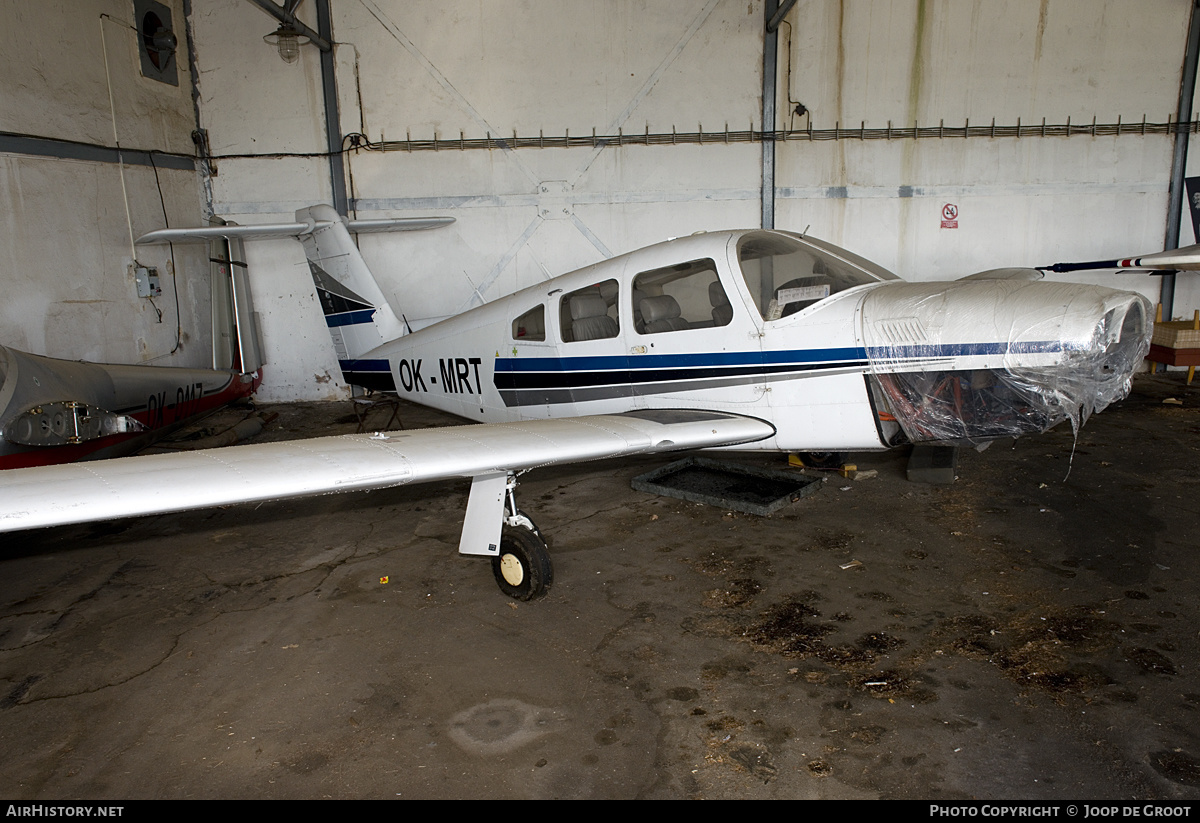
(680, 297)
(784, 275)
(531, 325)
(590, 313)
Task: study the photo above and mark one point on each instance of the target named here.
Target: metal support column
(333, 122)
(770, 70)
(773, 12)
(1187, 89)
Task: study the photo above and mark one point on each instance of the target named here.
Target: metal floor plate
(732, 486)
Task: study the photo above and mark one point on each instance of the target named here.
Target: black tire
(522, 569)
(824, 460)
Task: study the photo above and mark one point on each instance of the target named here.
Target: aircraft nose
(967, 363)
(1125, 336)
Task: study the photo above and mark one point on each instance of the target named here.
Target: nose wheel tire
(823, 460)
(522, 569)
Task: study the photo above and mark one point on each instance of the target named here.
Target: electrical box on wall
(146, 279)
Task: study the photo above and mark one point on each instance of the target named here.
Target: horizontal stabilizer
(155, 484)
(356, 310)
(269, 230)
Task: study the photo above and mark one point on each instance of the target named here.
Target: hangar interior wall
(431, 82)
(65, 247)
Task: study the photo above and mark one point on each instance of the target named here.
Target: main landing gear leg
(522, 568)
(494, 527)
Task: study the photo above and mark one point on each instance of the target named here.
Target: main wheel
(522, 569)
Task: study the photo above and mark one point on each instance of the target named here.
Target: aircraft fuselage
(821, 343)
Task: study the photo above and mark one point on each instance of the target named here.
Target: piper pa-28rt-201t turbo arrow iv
(757, 340)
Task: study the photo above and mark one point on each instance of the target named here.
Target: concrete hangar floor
(1013, 635)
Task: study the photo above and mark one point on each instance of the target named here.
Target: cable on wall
(112, 108)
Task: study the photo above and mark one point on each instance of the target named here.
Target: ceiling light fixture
(288, 40)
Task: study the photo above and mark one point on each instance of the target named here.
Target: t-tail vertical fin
(358, 316)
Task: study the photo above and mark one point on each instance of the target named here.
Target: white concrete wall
(252, 103)
(64, 236)
(422, 70)
(1021, 201)
(523, 215)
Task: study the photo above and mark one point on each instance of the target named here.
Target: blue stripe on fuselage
(372, 374)
(667, 361)
(365, 365)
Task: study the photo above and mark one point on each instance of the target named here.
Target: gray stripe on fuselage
(542, 397)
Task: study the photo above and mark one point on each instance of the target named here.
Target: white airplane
(756, 340)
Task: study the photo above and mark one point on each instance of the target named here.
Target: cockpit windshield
(785, 275)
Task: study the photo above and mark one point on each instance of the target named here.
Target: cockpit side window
(785, 276)
(680, 297)
(530, 326)
(589, 313)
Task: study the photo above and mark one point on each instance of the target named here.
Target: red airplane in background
(59, 411)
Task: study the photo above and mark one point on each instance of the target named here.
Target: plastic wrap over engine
(968, 362)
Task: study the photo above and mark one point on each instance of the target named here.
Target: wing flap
(156, 484)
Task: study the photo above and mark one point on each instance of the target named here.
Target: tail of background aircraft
(356, 312)
(236, 338)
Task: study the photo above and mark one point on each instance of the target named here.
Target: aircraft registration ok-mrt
(753, 339)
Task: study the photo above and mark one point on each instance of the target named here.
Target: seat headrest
(716, 295)
(587, 305)
(663, 307)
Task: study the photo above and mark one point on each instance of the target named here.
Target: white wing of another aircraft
(1182, 259)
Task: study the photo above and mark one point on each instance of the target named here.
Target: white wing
(152, 484)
